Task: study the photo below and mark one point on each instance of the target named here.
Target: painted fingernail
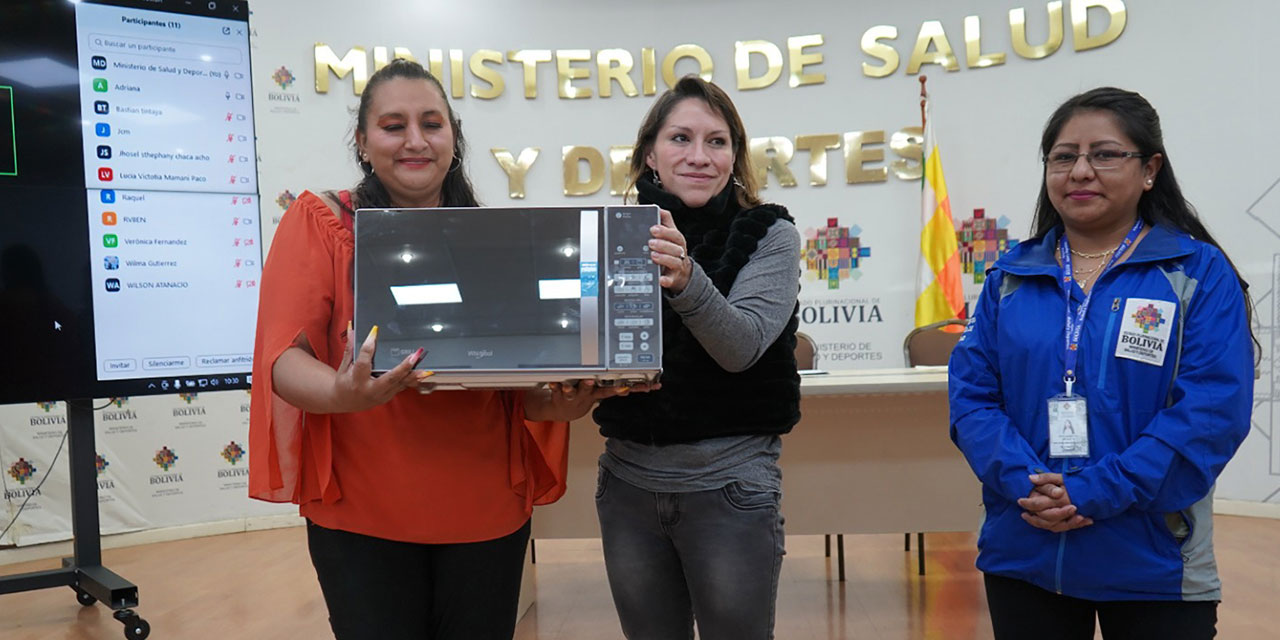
(348, 325)
(374, 331)
(417, 355)
(423, 375)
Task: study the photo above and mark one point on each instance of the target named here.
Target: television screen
(130, 245)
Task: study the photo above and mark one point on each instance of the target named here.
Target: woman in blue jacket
(1102, 384)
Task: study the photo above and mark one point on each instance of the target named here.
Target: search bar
(164, 48)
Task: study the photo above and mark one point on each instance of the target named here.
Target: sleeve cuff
(694, 293)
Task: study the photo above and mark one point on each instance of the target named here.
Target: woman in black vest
(689, 481)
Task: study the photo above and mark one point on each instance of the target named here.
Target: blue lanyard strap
(1074, 326)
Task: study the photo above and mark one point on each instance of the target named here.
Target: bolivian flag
(941, 295)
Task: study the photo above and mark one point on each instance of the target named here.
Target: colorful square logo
(105, 174)
(102, 130)
(111, 263)
(113, 284)
(98, 62)
(233, 453)
(165, 458)
(1148, 318)
(109, 218)
(100, 85)
(104, 152)
(101, 107)
(110, 240)
(22, 470)
(108, 196)
(834, 253)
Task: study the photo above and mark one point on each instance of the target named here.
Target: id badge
(1068, 427)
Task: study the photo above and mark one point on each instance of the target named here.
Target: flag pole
(924, 98)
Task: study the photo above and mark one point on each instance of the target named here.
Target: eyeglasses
(1064, 161)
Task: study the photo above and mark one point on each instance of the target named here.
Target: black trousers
(387, 590)
(1022, 610)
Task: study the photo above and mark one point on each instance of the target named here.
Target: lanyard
(1075, 326)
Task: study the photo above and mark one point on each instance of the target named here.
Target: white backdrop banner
(161, 461)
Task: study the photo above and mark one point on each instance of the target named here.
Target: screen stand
(84, 572)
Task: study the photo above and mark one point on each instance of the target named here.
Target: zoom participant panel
(165, 100)
(172, 191)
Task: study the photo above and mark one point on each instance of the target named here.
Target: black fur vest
(698, 398)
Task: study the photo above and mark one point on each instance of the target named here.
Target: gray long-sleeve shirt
(735, 330)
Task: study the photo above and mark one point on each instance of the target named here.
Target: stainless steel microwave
(511, 297)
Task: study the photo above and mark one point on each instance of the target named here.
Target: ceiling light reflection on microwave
(408, 295)
(560, 289)
(407, 256)
(437, 327)
(568, 251)
(564, 323)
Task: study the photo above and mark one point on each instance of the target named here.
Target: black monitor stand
(84, 572)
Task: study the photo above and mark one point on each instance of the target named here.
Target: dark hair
(1164, 202)
(456, 190)
(691, 86)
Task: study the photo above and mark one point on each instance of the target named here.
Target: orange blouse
(450, 466)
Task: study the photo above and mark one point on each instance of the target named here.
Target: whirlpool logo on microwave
(480, 354)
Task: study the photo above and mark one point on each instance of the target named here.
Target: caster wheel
(137, 629)
(85, 599)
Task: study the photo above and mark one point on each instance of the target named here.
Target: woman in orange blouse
(417, 505)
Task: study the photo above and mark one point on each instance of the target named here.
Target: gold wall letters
(574, 185)
(857, 155)
(772, 154)
(617, 66)
(742, 52)
(931, 33)
(566, 73)
(817, 146)
(614, 65)
(1117, 16)
(515, 168)
(705, 65)
(799, 60)
(530, 58)
(1018, 33)
(871, 46)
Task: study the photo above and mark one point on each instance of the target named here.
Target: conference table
(871, 454)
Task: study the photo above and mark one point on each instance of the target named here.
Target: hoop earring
(456, 164)
(657, 182)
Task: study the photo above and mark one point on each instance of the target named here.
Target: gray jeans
(713, 556)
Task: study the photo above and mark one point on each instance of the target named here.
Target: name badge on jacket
(1145, 330)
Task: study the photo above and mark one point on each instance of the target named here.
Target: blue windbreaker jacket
(1161, 428)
